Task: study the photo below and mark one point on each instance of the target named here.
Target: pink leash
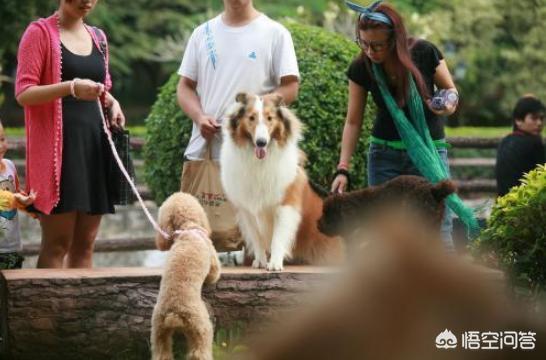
(199, 231)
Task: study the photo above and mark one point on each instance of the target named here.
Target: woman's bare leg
(57, 235)
(80, 254)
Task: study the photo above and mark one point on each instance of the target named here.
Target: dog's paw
(258, 264)
(274, 265)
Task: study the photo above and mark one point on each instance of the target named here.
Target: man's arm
(288, 88)
(190, 103)
(188, 99)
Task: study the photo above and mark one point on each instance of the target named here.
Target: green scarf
(420, 146)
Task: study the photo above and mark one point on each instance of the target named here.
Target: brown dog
(342, 214)
(192, 261)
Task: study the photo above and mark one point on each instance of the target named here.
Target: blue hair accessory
(369, 12)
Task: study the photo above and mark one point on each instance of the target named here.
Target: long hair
(403, 64)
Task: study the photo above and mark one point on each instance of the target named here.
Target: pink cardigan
(39, 63)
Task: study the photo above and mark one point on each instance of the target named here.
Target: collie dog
(263, 177)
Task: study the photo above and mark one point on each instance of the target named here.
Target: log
(105, 313)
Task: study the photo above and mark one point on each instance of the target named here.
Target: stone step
(128, 222)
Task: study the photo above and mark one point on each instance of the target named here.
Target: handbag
(201, 178)
(120, 191)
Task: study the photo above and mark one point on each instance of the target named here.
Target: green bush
(516, 232)
(168, 131)
(323, 58)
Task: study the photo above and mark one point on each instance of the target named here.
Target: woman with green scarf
(401, 73)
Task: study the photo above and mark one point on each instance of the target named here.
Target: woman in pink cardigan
(62, 72)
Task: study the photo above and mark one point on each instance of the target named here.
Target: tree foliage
(138, 31)
(495, 49)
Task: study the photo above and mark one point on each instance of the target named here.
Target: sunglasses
(374, 46)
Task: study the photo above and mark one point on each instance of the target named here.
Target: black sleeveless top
(86, 156)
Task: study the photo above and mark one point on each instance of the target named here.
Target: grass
(471, 131)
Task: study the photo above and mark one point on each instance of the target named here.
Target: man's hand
(208, 126)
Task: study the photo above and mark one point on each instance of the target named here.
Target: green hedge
(323, 58)
(516, 231)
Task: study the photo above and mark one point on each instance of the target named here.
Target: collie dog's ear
(276, 99)
(235, 113)
(241, 97)
(291, 123)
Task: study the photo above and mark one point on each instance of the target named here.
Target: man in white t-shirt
(238, 50)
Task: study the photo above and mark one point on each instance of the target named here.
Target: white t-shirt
(10, 240)
(226, 60)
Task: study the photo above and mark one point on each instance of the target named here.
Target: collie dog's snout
(261, 142)
(262, 139)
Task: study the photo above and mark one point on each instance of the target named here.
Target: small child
(10, 200)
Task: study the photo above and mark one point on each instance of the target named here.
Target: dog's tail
(317, 189)
(442, 189)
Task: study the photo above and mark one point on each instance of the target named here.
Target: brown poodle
(192, 260)
(343, 214)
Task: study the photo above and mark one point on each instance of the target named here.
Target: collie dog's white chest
(256, 184)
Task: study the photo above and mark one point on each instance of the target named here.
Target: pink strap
(196, 230)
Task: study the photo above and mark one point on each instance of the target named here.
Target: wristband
(72, 88)
(345, 173)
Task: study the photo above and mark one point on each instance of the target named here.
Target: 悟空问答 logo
(446, 340)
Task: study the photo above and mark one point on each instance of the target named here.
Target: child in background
(10, 200)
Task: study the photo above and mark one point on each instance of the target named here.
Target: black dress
(86, 157)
